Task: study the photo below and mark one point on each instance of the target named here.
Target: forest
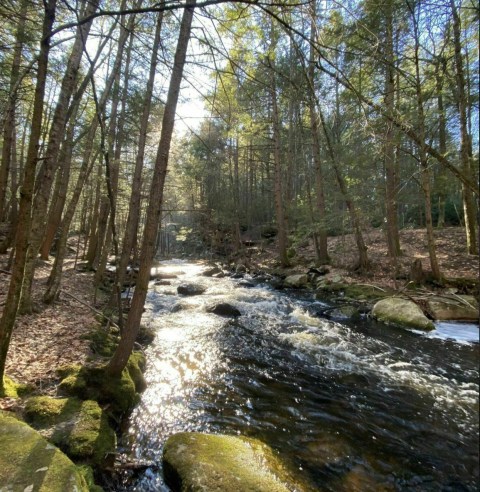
(135, 130)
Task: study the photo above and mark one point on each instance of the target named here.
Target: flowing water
(349, 405)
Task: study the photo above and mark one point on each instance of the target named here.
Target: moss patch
(92, 383)
(87, 473)
(78, 427)
(103, 342)
(136, 366)
(195, 461)
(29, 462)
(13, 389)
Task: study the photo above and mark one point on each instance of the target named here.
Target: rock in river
(401, 312)
(223, 309)
(196, 461)
(190, 289)
(296, 281)
(458, 308)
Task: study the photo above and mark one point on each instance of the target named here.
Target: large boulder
(195, 461)
(402, 312)
(458, 308)
(296, 281)
(190, 289)
(30, 463)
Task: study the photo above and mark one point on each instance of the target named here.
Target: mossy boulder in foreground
(401, 312)
(196, 461)
(30, 463)
(80, 428)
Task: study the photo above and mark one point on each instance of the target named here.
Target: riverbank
(454, 262)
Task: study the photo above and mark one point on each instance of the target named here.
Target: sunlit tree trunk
(129, 334)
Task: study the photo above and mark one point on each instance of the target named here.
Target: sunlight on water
(458, 332)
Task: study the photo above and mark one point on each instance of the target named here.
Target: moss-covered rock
(80, 428)
(30, 463)
(136, 367)
(103, 342)
(402, 312)
(195, 461)
(457, 308)
(296, 281)
(93, 383)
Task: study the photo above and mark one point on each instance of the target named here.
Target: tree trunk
(60, 193)
(466, 157)
(321, 234)
(124, 349)
(116, 141)
(135, 196)
(393, 239)
(26, 198)
(278, 192)
(425, 170)
(363, 261)
(441, 178)
(50, 162)
(9, 132)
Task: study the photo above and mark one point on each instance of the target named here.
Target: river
(349, 405)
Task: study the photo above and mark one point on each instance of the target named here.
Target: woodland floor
(55, 335)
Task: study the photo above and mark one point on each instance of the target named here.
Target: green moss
(136, 367)
(93, 383)
(29, 462)
(78, 427)
(87, 473)
(195, 461)
(11, 389)
(103, 342)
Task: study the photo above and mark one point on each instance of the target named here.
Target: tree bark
(9, 133)
(278, 191)
(129, 334)
(26, 196)
(135, 195)
(425, 170)
(393, 239)
(466, 157)
(321, 234)
(50, 162)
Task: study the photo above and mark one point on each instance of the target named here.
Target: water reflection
(358, 407)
